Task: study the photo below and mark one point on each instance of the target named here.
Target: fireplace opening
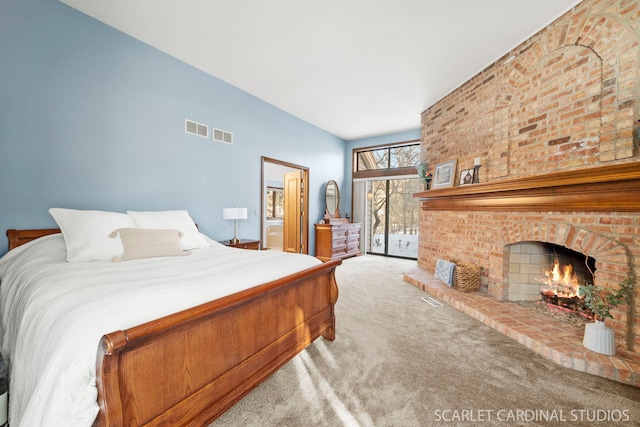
(548, 277)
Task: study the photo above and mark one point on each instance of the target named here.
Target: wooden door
(298, 214)
(292, 224)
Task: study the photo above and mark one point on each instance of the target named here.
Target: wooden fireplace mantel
(601, 189)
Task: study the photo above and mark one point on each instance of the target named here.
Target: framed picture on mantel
(444, 174)
(467, 176)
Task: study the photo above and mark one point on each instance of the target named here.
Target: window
(404, 156)
(372, 159)
(387, 160)
(275, 203)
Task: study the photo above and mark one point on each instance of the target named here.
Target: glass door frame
(376, 163)
(362, 209)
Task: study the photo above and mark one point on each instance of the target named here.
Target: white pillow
(86, 233)
(171, 220)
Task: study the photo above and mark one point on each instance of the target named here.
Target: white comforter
(54, 314)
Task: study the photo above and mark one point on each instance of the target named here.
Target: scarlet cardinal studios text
(532, 415)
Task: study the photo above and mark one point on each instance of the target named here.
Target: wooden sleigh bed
(175, 371)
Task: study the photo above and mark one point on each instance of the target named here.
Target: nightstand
(244, 244)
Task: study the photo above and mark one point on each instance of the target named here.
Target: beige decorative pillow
(165, 220)
(143, 243)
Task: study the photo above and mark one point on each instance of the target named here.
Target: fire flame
(562, 281)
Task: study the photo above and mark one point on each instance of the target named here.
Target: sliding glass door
(384, 180)
(393, 212)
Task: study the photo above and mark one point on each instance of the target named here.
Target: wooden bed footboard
(190, 367)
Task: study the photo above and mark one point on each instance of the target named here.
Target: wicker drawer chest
(337, 240)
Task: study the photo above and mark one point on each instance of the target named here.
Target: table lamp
(235, 214)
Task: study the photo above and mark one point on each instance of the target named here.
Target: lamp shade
(234, 213)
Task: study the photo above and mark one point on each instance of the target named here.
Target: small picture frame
(444, 174)
(466, 176)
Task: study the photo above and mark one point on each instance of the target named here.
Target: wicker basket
(466, 276)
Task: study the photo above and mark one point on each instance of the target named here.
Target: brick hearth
(553, 339)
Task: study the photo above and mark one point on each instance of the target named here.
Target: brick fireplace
(555, 124)
(481, 223)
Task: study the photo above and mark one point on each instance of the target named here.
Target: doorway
(284, 221)
(384, 180)
(389, 214)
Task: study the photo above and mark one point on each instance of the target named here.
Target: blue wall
(91, 118)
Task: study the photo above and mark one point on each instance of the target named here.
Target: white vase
(600, 338)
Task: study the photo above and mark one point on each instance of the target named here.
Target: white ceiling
(355, 68)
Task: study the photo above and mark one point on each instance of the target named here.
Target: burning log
(549, 296)
(564, 290)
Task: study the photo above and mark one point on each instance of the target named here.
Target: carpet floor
(398, 361)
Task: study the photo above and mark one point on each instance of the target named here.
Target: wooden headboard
(20, 237)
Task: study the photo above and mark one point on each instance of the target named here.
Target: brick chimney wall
(566, 99)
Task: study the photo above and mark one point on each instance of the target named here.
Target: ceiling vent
(222, 136)
(196, 128)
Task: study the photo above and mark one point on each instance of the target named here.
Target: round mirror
(332, 199)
